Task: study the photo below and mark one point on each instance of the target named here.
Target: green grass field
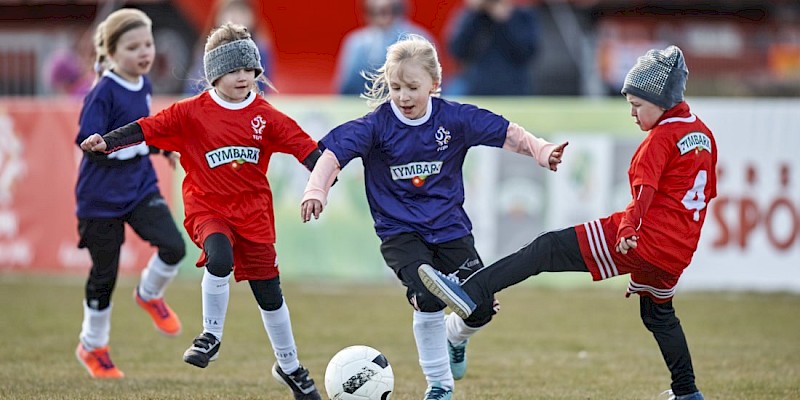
(544, 344)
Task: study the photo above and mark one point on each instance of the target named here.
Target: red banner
(38, 170)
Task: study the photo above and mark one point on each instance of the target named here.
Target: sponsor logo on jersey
(442, 139)
(258, 123)
(240, 154)
(694, 141)
(415, 169)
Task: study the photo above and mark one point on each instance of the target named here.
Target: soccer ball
(359, 373)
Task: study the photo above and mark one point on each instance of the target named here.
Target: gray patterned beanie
(230, 57)
(659, 77)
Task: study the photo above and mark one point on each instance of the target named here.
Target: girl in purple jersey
(121, 188)
(413, 147)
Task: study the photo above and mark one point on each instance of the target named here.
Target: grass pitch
(544, 344)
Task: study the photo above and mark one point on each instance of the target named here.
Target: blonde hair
(227, 33)
(111, 29)
(409, 47)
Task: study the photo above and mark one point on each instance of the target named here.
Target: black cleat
(301, 384)
(204, 350)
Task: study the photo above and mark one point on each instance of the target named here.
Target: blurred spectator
(495, 41)
(66, 74)
(239, 12)
(364, 49)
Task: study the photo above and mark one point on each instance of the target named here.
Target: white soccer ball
(359, 373)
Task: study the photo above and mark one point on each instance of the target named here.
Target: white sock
(279, 329)
(156, 277)
(457, 330)
(216, 292)
(96, 327)
(429, 332)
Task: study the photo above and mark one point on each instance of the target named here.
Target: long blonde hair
(227, 33)
(111, 29)
(409, 47)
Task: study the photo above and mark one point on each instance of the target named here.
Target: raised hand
(555, 156)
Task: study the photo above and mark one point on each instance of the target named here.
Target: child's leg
(660, 319)
(215, 285)
(153, 222)
(277, 322)
(215, 294)
(103, 238)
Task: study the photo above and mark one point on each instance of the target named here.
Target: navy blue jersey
(110, 186)
(412, 168)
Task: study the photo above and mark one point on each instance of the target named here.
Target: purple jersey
(412, 168)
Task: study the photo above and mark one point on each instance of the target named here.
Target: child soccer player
(413, 147)
(115, 189)
(226, 136)
(672, 178)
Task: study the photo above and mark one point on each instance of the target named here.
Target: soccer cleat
(301, 384)
(448, 289)
(437, 392)
(458, 358)
(97, 362)
(205, 348)
(668, 395)
(165, 320)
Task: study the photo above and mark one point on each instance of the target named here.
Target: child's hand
(626, 244)
(555, 156)
(94, 142)
(311, 207)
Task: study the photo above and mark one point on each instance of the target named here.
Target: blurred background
(744, 62)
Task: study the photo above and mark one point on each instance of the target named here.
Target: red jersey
(678, 158)
(225, 150)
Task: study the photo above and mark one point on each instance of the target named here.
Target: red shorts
(597, 240)
(252, 261)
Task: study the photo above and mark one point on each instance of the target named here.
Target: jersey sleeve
(290, 138)
(163, 130)
(350, 140)
(482, 127)
(651, 159)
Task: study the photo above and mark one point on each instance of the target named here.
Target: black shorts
(410, 249)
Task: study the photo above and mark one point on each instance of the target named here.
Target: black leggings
(103, 237)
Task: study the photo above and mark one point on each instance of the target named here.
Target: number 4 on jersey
(695, 198)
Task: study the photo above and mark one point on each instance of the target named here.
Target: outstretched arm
(319, 183)
(119, 138)
(523, 142)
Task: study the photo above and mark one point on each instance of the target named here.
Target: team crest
(442, 139)
(258, 123)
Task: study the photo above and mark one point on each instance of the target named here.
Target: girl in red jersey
(226, 136)
(672, 177)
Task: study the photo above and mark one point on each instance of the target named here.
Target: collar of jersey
(133, 87)
(413, 122)
(232, 106)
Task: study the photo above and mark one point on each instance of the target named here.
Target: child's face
(644, 112)
(410, 86)
(235, 86)
(134, 54)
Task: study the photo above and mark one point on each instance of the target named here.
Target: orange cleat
(165, 320)
(97, 363)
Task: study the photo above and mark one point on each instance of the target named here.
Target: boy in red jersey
(672, 177)
(226, 136)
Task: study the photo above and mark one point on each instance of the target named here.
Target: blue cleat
(448, 289)
(437, 392)
(691, 396)
(458, 358)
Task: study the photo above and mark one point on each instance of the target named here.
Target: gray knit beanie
(659, 77)
(230, 57)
